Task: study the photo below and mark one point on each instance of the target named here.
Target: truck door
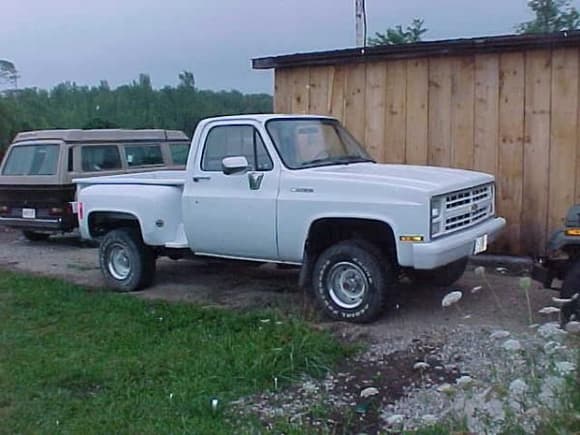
(232, 215)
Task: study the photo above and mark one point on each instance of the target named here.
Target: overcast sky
(84, 41)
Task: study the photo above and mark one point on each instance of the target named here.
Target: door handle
(255, 180)
(198, 179)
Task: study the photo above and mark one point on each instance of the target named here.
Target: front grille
(463, 209)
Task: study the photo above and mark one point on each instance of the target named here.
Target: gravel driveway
(414, 321)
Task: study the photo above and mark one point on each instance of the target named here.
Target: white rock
(464, 381)
(451, 298)
(445, 388)
(395, 420)
(476, 289)
(369, 392)
(549, 310)
(565, 367)
(512, 345)
(429, 419)
(518, 387)
(421, 365)
(553, 346)
(573, 327)
(498, 335)
(550, 330)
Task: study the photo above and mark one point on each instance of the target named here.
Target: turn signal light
(411, 238)
(573, 232)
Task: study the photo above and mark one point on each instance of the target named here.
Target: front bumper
(448, 249)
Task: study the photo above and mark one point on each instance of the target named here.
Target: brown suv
(36, 174)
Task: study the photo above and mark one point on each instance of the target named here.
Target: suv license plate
(28, 213)
(480, 244)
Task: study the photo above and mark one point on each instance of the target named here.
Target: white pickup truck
(295, 190)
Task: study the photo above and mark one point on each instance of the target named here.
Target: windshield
(305, 143)
(39, 159)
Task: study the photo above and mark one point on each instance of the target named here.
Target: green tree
(8, 73)
(397, 35)
(186, 79)
(133, 105)
(551, 16)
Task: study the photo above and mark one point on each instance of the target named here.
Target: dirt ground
(414, 328)
(412, 312)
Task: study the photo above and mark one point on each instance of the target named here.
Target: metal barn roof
(449, 47)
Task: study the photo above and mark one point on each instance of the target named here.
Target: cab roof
(102, 135)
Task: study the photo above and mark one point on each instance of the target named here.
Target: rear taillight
(4, 210)
(80, 210)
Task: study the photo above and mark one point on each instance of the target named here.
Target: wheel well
(101, 222)
(324, 233)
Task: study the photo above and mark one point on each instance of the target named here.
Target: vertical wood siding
(515, 115)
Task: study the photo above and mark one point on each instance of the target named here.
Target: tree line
(549, 16)
(135, 105)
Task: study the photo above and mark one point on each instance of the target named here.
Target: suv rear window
(32, 160)
(179, 152)
(100, 158)
(143, 155)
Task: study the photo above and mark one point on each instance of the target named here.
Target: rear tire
(34, 236)
(126, 262)
(571, 287)
(350, 281)
(442, 276)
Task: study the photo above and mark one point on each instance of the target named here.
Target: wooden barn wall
(515, 115)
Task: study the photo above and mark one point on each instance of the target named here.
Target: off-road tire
(570, 287)
(35, 236)
(370, 263)
(141, 260)
(444, 276)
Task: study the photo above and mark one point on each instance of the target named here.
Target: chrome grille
(462, 209)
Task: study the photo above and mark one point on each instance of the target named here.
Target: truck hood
(428, 179)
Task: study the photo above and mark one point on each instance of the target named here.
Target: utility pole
(359, 12)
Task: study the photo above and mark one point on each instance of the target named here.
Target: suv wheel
(570, 288)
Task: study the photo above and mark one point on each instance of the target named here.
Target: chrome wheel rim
(119, 264)
(347, 284)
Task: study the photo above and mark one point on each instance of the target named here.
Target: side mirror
(234, 165)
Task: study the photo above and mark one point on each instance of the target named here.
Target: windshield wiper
(344, 160)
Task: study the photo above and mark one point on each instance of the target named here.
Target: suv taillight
(4, 210)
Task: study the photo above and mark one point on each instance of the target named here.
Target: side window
(70, 160)
(100, 158)
(235, 140)
(143, 155)
(179, 152)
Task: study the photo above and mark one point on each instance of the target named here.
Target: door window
(234, 141)
(100, 158)
(143, 155)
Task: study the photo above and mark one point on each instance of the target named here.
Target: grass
(76, 361)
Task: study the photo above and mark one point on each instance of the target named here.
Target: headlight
(435, 208)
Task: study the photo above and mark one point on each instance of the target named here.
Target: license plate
(480, 244)
(28, 213)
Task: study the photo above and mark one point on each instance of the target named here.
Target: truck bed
(159, 178)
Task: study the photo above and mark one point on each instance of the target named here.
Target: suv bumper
(35, 224)
(448, 249)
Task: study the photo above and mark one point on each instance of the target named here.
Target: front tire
(350, 280)
(571, 287)
(444, 276)
(126, 262)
